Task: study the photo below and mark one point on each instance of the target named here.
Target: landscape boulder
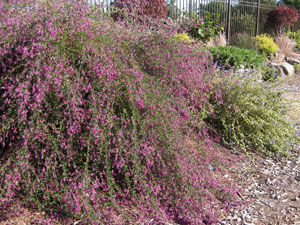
(292, 60)
(287, 68)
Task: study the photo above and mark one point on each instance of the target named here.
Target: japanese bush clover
(100, 118)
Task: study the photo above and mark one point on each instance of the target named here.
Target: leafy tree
(293, 3)
(281, 18)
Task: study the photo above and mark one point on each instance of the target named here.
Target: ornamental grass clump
(98, 118)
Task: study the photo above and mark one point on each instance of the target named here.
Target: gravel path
(272, 188)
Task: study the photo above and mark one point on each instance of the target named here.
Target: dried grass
(218, 41)
(286, 45)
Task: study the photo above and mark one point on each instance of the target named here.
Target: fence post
(228, 21)
(257, 17)
(190, 7)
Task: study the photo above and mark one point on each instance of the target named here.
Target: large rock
(284, 67)
(292, 60)
(287, 68)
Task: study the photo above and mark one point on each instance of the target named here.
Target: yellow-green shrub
(183, 37)
(266, 44)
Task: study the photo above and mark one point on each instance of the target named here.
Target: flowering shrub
(254, 117)
(282, 17)
(98, 116)
(266, 44)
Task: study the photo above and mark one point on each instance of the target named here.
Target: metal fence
(236, 16)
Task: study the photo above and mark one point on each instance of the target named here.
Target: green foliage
(269, 73)
(266, 44)
(253, 116)
(205, 29)
(183, 37)
(294, 3)
(297, 67)
(233, 56)
(244, 40)
(295, 36)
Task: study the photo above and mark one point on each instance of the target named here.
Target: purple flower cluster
(97, 116)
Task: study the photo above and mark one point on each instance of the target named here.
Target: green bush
(266, 44)
(295, 36)
(206, 28)
(245, 41)
(233, 56)
(253, 116)
(270, 73)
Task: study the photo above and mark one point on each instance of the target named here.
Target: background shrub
(151, 8)
(295, 36)
(236, 57)
(205, 28)
(266, 44)
(244, 40)
(254, 116)
(281, 18)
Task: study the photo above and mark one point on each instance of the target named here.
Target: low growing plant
(253, 116)
(269, 73)
(236, 57)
